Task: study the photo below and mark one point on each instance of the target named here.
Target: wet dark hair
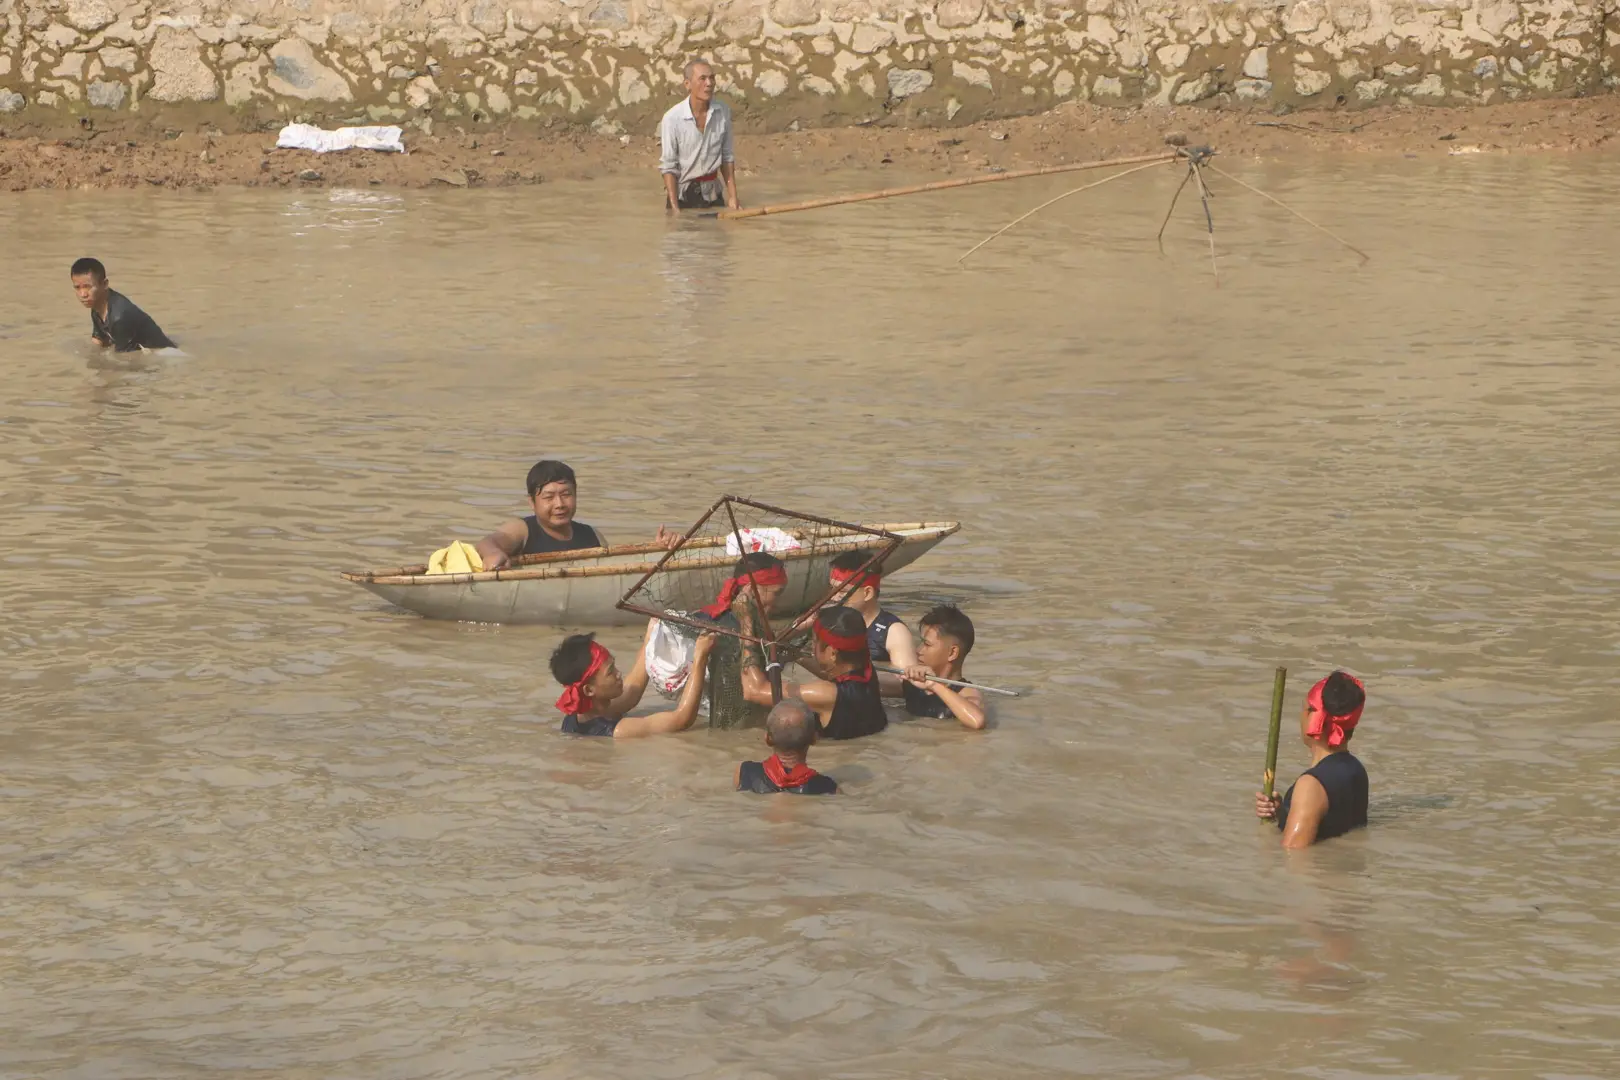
(846, 622)
(90, 266)
(549, 472)
(572, 659)
(851, 561)
(1341, 696)
(755, 560)
(949, 620)
(792, 726)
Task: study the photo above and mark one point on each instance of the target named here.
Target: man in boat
(554, 494)
(596, 697)
(114, 318)
(887, 638)
(846, 699)
(1330, 798)
(790, 731)
(695, 155)
(947, 638)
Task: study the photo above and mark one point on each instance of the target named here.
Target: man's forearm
(672, 190)
(728, 173)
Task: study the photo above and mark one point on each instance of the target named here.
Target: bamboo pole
(1278, 683)
(939, 185)
(892, 670)
(1072, 191)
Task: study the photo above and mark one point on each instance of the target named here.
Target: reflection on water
(255, 820)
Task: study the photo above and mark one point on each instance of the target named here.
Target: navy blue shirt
(751, 777)
(596, 725)
(877, 636)
(541, 542)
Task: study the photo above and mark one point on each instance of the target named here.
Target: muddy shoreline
(132, 158)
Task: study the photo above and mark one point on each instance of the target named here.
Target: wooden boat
(582, 588)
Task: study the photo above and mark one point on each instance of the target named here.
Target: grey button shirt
(688, 152)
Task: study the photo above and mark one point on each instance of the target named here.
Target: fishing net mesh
(692, 575)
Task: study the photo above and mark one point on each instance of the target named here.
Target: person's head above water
(791, 727)
(755, 570)
(554, 494)
(947, 638)
(587, 672)
(840, 636)
(1332, 710)
(847, 568)
(89, 279)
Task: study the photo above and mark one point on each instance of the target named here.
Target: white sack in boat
(767, 539)
(669, 658)
(310, 137)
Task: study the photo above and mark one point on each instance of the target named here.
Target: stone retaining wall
(249, 64)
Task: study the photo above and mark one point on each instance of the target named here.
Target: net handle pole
(668, 555)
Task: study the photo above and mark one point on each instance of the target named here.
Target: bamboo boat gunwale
(544, 568)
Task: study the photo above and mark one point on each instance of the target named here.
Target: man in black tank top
(554, 494)
(947, 637)
(846, 700)
(888, 639)
(1330, 798)
(790, 730)
(596, 697)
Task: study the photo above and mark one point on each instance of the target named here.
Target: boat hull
(586, 591)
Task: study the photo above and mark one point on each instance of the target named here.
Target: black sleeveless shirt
(920, 702)
(877, 636)
(1344, 779)
(541, 542)
(859, 708)
(751, 777)
(592, 725)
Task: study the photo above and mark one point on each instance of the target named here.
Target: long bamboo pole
(1268, 782)
(939, 185)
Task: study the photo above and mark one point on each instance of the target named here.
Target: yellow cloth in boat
(459, 558)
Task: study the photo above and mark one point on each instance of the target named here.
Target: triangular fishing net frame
(702, 559)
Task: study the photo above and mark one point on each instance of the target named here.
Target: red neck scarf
(771, 575)
(851, 644)
(844, 577)
(778, 774)
(1336, 726)
(574, 698)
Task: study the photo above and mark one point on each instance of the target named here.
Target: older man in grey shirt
(696, 157)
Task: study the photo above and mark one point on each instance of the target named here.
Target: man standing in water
(696, 153)
(114, 319)
(1330, 798)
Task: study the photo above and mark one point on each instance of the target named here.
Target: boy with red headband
(596, 697)
(887, 638)
(790, 730)
(1330, 798)
(846, 701)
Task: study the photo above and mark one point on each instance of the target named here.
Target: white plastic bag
(767, 539)
(310, 137)
(669, 658)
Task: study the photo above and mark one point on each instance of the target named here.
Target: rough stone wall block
(616, 63)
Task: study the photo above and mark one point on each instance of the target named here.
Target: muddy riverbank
(129, 157)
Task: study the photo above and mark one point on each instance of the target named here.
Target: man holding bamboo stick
(1330, 798)
(695, 155)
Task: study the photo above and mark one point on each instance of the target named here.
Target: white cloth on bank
(310, 137)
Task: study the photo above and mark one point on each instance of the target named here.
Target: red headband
(853, 643)
(771, 575)
(1336, 726)
(844, 577)
(573, 696)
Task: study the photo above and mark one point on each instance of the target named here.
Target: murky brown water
(254, 821)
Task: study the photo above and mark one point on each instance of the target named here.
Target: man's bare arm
(728, 173)
(1305, 812)
(902, 646)
(685, 711)
(672, 191)
(501, 546)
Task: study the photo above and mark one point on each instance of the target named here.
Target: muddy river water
(255, 822)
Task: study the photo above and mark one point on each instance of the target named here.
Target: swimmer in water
(887, 638)
(114, 318)
(596, 697)
(947, 638)
(846, 699)
(1330, 798)
(790, 730)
